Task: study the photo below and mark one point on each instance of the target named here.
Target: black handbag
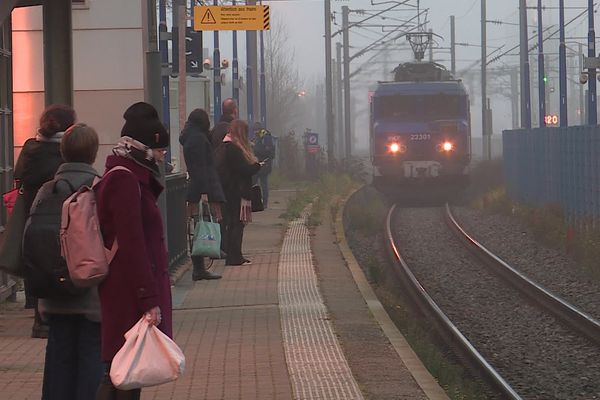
(256, 198)
(11, 249)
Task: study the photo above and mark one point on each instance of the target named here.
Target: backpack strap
(113, 169)
(112, 252)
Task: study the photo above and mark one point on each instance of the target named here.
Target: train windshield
(396, 107)
(442, 107)
(421, 108)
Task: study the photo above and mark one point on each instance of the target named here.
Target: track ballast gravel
(538, 356)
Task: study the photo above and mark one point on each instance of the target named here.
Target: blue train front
(420, 130)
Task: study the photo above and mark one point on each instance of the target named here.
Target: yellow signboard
(232, 18)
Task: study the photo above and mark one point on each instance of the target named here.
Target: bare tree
(283, 82)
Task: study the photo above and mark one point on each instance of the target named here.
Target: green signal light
(545, 79)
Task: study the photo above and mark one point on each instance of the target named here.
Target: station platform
(299, 323)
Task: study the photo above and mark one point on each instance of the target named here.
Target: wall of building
(108, 66)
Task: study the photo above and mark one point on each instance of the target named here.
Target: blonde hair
(238, 131)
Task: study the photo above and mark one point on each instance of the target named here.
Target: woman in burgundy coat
(138, 280)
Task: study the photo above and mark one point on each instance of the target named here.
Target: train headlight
(447, 146)
(394, 148)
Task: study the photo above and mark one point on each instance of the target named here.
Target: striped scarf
(136, 151)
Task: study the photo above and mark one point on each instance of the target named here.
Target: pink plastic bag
(148, 358)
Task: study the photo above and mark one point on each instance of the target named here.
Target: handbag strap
(202, 211)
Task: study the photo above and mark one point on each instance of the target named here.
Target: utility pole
(340, 102)
(524, 53)
(217, 74)
(514, 89)
(582, 117)
(484, 110)
(328, 87)
(541, 68)
(235, 83)
(562, 54)
(592, 110)
(347, 119)
(453, 45)
(430, 45)
(251, 73)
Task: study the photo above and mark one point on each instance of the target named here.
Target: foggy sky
(304, 20)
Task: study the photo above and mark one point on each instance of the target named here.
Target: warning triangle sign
(208, 18)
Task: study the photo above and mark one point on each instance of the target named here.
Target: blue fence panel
(555, 166)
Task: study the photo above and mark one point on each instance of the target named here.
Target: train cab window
(443, 107)
(404, 107)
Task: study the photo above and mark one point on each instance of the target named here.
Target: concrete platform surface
(293, 325)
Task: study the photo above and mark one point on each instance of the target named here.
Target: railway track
(575, 324)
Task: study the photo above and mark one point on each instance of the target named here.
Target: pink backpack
(81, 242)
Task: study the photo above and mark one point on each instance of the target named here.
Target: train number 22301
(420, 136)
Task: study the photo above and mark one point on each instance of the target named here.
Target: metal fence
(176, 188)
(559, 166)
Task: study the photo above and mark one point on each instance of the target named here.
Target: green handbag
(207, 237)
(11, 249)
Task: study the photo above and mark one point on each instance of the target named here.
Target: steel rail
(575, 318)
(447, 329)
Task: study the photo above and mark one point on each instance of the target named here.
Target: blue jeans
(263, 181)
(73, 368)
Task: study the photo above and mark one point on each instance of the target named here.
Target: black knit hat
(142, 124)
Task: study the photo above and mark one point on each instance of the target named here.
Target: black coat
(220, 130)
(200, 161)
(264, 149)
(235, 172)
(37, 164)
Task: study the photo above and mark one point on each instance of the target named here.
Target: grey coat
(87, 304)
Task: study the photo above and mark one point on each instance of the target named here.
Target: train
(420, 131)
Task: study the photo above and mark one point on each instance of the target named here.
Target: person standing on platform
(138, 281)
(264, 149)
(204, 184)
(38, 162)
(73, 367)
(230, 112)
(236, 164)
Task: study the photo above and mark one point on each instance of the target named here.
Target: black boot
(199, 273)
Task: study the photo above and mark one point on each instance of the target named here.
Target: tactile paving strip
(317, 366)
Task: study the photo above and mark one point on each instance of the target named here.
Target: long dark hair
(200, 119)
